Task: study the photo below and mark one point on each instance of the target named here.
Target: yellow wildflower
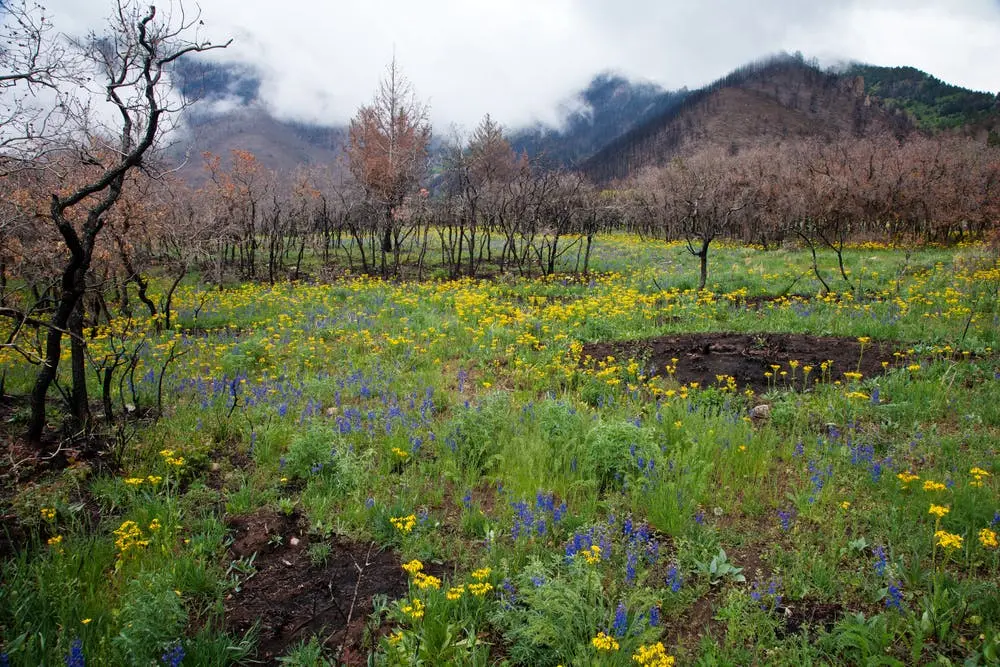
(425, 581)
(604, 642)
(414, 609)
(988, 538)
(413, 566)
(55, 540)
(930, 485)
(653, 655)
(938, 510)
(134, 481)
(48, 513)
(404, 524)
(455, 592)
(947, 540)
(480, 589)
(845, 505)
(481, 574)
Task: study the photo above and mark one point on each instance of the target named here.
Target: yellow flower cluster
(947, 540)
(425, 581)
(414, 609)
(170, 459)
(48, 513)
(480, 589)
(931, 485)
(129, 537)
(455, 592)
(906, 478)
(605, 642)
(54, 540)
(404, 524)
(481, 574)
(400, 454)
(988, 538)
(978, 475)
(592, 555)
(396, 637)
(413, 566)
(653, 655)
(938, 510)
(155, 525)
(152, 479)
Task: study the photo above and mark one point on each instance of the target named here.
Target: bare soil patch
(291, 598)
(704, 356)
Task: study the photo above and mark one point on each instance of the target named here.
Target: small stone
(762, 411)
(294, 541)
(331, 411)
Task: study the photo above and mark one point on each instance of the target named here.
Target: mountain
(229, 115)
(932, 103)
(278, 145)
(772, 100)
(608, 107)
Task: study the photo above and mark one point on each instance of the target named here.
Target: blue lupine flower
(786, 517)
(538, 581)
(173, 656)
(630, 567)
(894, 598)
(621, 620)
(654, 617)
(75, 656)
(880, 562)
(508, 594)
(467, 500)
(674, 579)
(699, 517)
(4, 660)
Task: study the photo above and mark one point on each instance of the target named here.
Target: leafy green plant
(720, 569)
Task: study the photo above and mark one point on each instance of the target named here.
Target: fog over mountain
(519, 60)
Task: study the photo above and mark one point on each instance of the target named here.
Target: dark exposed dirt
(292, 599)
(746, 357)
(802, 614)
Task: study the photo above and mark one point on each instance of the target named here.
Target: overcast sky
(517, 59)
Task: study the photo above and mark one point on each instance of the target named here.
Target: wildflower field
(549, 471)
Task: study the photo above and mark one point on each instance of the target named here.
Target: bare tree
(37, 71)
(387, 152)
(130, 64)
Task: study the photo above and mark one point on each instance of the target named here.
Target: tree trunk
(53, 349)
(703, 265)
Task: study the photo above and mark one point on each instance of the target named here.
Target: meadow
(445, 472)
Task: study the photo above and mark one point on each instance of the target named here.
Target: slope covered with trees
(932, 103)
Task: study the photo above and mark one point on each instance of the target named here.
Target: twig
(354, 599)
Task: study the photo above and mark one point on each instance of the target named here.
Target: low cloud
(519, 59)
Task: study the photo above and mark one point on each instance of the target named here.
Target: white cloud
(519, 58)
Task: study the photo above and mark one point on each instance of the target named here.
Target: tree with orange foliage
(387, 153)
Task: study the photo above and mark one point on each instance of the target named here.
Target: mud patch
(746, 357)
(291, 598)
(805, 614)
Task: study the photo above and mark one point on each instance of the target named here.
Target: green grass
(466, 405)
